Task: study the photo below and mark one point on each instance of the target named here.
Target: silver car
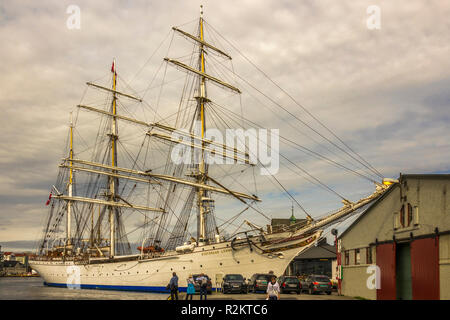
(316, 284)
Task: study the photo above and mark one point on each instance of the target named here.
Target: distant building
(13, 268)
(9, 259)
(319, 259)
(9, 256)
(279, 224)
(405, 235)
(22, 258)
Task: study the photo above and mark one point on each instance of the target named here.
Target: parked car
(316, 284)
(234, 283)
(197, 283)
(259, 281)
(289, 284)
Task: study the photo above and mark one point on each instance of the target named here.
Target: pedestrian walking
(203, 282)
(173, 286)
(190, 288)
(273, 290)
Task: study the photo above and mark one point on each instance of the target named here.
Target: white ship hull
(153, 274)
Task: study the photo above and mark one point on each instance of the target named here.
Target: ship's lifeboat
(150, 249)
(185, 248)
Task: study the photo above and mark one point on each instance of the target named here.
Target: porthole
(220, 263)
(201, 266)
(184, 268)
(252, 260)
(238, 262)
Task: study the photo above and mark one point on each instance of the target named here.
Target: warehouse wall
(432, 198)
(356, 286)
(444, 266)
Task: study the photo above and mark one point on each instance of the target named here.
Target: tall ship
(104, 183)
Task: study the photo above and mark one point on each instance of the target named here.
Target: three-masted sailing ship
(92, 196)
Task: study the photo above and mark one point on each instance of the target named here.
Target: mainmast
(201, 118)
(204, 202)
(113, 182)
(70, 186)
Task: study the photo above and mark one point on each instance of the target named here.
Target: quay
(262, 296)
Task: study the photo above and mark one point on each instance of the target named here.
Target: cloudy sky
(384, 92)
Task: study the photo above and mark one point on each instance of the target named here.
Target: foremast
(113, 201)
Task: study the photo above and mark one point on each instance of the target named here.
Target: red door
(385, 259)
(425, 269)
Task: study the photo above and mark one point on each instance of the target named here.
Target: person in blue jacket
(173, 286)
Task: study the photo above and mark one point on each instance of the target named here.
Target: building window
(347, 258)
(410, 214)
(416, 215)
(357, 257)
(396, 220)
(369, 255)
(402, 216)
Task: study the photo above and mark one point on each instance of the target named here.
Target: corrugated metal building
(399, 248)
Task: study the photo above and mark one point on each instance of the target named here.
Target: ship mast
(113, 180)
(70, 186)
(201, 117)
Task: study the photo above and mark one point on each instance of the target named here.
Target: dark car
(259, 281)
(289, 284)
(197, 283)
(234, 283)
(316, 284)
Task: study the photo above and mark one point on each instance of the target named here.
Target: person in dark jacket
(173, 286)
(203, 282)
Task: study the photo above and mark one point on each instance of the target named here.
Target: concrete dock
(262, 296)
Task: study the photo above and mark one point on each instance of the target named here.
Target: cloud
(384, 92)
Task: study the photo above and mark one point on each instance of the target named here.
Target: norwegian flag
(49, 198)
(112, 67)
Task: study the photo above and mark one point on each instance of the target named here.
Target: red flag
(49, 198)
(112, 67)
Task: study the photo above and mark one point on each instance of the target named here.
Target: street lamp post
(338, 259)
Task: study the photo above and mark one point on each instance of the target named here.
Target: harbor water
(33, 288)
